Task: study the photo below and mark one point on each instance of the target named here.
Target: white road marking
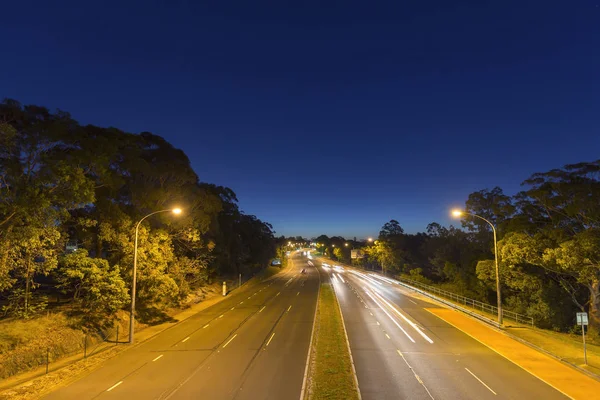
(480, 381)
(417, 377)
(221, 316)
(388, 336)
(297, 293)
(205, 326)
(232, 308)
(263, 307)
(249, 297)
(371, 313)
(390, 317)
(114, 386)
(342, 279)
(414, 302)
(157, 358)
(289, 308)
(271, 338)
(241, 302)
(278, 293)
(185, 340)
(229, 341)
(378, 323)
(404, 318)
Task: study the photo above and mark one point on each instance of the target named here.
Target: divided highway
(252, 345)
(402, 351)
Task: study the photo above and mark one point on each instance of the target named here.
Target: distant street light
(346, 244)
(175, 211)
(459, 213)
(333, 245)
(370, 239)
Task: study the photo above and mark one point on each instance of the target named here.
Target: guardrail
(475, 304)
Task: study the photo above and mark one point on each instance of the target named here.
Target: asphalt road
(402, 351)
(252, 345)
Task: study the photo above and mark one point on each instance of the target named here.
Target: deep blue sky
(328, 116)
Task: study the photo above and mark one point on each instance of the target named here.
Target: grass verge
(331, 372)
(566, 346)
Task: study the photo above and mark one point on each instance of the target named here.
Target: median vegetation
(332, 375)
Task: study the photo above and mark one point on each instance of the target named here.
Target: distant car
(276, 262)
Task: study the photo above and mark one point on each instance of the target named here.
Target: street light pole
(134, 275)
(498, 293)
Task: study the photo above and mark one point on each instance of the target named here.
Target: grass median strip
(331, 372)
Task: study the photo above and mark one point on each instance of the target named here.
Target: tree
(561, 207)
(390, 230)
(96, 288)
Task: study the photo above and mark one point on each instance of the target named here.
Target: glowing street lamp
(370, 239)
(175, 211)
(459, 213)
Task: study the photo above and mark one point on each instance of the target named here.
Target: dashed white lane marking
(378, 323)
(271, 338)
(414, 302)
(229, 341)
(417, 377)
(157, 358)
(205, 326)
(388, 336)
(419, 331)
(278, 293)
(114, 386)
(390, 317)
(221, 316)
(480, 381)
(297, 293)
(263, 307)
(185, 340)
(232, 308)
(289, 308)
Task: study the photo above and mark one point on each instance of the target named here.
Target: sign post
(582, 319)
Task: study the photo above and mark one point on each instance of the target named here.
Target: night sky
(326, 117)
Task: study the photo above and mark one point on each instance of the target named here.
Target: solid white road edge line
(303, 393)
(348, 344)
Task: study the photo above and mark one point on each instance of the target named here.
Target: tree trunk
(27, 285)
(594, 317)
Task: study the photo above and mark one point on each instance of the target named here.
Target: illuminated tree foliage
(70, 196)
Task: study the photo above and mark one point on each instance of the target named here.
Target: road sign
(356, 254)
(582, 318)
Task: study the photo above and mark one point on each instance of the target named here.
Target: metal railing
(475, 304)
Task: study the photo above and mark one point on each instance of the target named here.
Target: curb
(494, 325)
(347, 343)
(307, 369)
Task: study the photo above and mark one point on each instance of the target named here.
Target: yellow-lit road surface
(563, 378)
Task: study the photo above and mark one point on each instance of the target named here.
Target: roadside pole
(240, 281)
(582, 320)
(224, 288)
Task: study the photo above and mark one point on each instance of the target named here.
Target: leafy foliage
(63, 183)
